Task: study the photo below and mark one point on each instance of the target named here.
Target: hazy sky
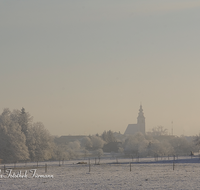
(82, 67)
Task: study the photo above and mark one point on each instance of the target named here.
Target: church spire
(141, 120)
(140, 111)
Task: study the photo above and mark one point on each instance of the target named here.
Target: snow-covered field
(145, 174)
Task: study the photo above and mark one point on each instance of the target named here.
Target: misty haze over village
(101, 85)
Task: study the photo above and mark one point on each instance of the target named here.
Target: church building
(139, 127)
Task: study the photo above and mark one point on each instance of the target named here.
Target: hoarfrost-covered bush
(73, 154)
(74, 145)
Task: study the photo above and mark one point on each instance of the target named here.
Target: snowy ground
(145, 174)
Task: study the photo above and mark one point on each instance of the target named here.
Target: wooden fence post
(89, 164)
(45, 168)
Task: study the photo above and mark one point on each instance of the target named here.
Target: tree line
(21, 139)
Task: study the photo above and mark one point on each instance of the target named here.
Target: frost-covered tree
(196, 140)
(97, 142)
(74, 145)
(181, 145)
(39, 142)
(86, 143)
(23, 118)
(108, 136)
(85, 153)
(60, 152)
(20, 139)
(98, 153)
(134, 144)
(147, 146)
(158, 131)
(24, 121)
(12, 141)
(160, 148)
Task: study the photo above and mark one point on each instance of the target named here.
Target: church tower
(141, 120)
(133, 129)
